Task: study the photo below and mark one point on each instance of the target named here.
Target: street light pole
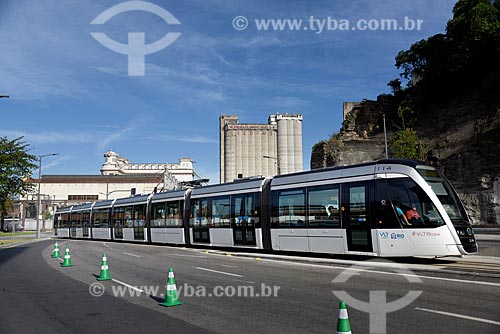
(39, 207)
(385, 140)
(276, 162)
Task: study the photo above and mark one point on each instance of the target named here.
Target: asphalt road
(38, 295)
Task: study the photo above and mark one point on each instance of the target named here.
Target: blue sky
(71, 95)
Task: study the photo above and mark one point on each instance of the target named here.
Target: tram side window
(96, 222)
(100, 218)
(128, 217)
(159, 215)
(173, 214)
(323, 205)
(383, 213)
(288, 208)
(63, 220)
(85, 219)
(118, 216)
(199, 213)
(139, 215)
(221, 211)
(75, 219)
(412, 205)
(357, 206)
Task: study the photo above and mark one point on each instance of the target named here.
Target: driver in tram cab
(401, 214)
(412, 215)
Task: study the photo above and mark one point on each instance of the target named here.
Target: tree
(405, 144)
(448, 64)
(15, 167)
(46, 215)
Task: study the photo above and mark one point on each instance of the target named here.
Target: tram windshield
(445, 194)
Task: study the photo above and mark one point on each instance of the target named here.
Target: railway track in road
(477, 268)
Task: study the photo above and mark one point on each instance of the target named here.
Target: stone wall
(464, 136)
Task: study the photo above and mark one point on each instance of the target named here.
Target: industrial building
(118, 178)
(260, 149)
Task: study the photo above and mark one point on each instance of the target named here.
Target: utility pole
(39, 209)
(385, 140)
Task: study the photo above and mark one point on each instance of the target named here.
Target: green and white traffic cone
(56, 254)
(67, 259)
(104, 275)
(171, 298)
(343, 325)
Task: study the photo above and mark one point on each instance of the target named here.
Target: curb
(23, 243)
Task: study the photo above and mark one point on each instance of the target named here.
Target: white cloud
(51, 137)
(103, 144)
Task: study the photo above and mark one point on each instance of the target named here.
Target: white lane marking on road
(200, 256)
(131, 254)
(219, 272)
(227, 265)
(459, 316)
(386, 273)
(127, 285)
(105, 244)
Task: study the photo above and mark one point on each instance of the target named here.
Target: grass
(7, 234)
(8, 242)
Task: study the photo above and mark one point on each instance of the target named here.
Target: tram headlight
(461, 233)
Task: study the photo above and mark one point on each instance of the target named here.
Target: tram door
(244, 220)
(355, 211)
(118, 216)
(139, 221)
(75, 220)
(200, 223)
(86, 223)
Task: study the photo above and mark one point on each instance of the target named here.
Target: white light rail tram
(386, 208)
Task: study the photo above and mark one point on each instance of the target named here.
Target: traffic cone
(104, 275)
(67, 259)
(56, 254)
(343, 325)
(171, 298)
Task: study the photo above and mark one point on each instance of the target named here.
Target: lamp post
(114, 191)
(276, 162)
(39, 207)
(385, 140)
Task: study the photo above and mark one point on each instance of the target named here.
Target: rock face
(464, 136)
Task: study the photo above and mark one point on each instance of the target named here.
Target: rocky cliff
(462, 135)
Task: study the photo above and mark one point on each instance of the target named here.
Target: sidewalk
(490, 237)
(486, 230)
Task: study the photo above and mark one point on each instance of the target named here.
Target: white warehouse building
(118, 178)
